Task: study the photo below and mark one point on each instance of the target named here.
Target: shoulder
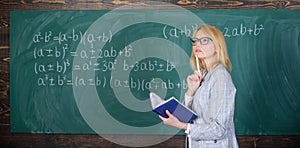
(221, 75)
(219, 72)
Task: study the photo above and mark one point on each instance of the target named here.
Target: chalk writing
(228, 31)
(149, 66)
(171, 31)
(55, 51)
(243, 30)
(60, 67)
(55, 57)
(58, 57)
(90, 53)
(76, 35)
(138, 84)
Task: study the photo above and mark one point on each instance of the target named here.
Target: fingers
(195, 77)
(171, 120)
(199, 74)
(162, 118)
(168, 113)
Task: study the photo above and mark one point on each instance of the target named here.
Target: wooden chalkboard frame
(41, 140)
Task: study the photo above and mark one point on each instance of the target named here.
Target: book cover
(176, 108)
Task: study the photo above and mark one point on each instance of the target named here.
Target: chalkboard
(92, 71)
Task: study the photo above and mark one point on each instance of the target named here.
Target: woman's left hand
(173, 121)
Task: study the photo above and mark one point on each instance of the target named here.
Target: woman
(210, 95)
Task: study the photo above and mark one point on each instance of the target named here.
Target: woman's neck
(210, 63)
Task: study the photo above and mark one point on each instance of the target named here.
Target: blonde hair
(218, 39)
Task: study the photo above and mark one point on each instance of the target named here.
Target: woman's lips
(198, 50)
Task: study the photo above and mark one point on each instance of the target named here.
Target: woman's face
(203, 46)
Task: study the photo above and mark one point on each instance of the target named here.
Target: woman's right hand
(193, 82)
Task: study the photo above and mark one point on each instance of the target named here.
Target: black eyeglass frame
(196, 40)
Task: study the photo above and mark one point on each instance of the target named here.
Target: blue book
(176, 108)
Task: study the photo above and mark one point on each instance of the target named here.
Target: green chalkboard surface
(92, 71)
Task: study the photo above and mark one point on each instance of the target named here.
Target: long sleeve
(188, 101)
(215, 103)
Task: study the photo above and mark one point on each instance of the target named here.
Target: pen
(197, 61)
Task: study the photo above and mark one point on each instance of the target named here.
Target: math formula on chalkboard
(53, 56)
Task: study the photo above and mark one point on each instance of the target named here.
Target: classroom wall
(8, 139)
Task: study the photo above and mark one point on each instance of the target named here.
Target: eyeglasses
(202, 41)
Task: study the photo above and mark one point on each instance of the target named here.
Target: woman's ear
(218, 48)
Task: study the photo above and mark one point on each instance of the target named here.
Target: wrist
(184, 126)
(189, 93)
